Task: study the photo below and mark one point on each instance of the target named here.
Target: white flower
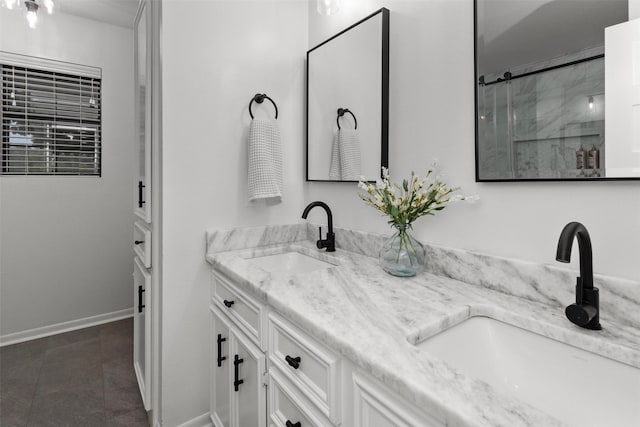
(422, 196)
(385, 173)
(472, 199)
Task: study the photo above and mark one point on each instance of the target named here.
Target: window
(51, 117)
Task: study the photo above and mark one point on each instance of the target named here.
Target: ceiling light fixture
(32, 7)
(328, 7)
(48, 4)
(32, 12)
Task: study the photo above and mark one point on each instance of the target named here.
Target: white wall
(214, 61)
(432, 116)
(634, 9)
(66, 242)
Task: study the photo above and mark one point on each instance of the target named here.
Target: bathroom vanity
(301, 337)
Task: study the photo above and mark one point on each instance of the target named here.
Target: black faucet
(330, 241)
(586, 310)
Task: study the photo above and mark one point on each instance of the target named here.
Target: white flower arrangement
(416, 197)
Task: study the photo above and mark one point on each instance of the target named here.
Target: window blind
(51, 122)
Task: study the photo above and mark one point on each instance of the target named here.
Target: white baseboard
(59, 328)
(200, 421)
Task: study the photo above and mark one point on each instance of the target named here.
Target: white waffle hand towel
(265, 160)
(334, 168)
(350, 157)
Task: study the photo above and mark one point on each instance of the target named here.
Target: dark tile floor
(80, 378)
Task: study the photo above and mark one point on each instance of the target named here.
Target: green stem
(405, 240)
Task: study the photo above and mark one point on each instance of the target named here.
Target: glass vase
(402, 255)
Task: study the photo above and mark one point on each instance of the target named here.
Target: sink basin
(288, 263)
(576, 386)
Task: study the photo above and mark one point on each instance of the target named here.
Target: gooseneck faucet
(330, 241)
(586, 310)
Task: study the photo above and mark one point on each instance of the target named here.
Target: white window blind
(51, 121)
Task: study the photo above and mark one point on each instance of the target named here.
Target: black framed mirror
(348, 103)
(540, 92)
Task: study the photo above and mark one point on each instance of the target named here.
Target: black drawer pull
(290, 424)
(236, 362)
(140, 304)
(140, 194)
(229, 303)
(220, 356)
(138, 242)
(294, 362)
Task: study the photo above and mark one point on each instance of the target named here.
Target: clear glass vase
(402, 255)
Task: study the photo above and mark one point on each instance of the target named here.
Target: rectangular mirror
(540, 92)
(348, 102)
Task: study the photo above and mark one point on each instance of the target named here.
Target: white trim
(199, 421)
(59, 328)
(156, 211)
(18, 60)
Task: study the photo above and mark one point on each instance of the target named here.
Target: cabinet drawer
(285, 406)
(308, 364)
(142, 243)
(374, 406)
(243, 310)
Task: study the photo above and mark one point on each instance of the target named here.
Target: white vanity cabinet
(375, 406)
(238, 368)
(287, 377)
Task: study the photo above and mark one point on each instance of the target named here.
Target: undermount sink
(576, 386)
(288, 263)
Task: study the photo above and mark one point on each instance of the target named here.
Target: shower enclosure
(547, 123)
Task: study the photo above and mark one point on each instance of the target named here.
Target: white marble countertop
(375, 319)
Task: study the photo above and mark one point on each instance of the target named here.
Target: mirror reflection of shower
(544, 123)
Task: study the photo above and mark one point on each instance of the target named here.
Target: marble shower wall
(535, 124)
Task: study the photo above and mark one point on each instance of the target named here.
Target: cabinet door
(220, 383)
(374, 407)
(249, 395)
(142, 330)
(143, 112)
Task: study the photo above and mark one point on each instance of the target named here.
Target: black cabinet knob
(290, 424)
(138, 242)
(294, 362)
(229, 303)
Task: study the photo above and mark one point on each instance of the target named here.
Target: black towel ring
(259, 98)
(342, 112)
